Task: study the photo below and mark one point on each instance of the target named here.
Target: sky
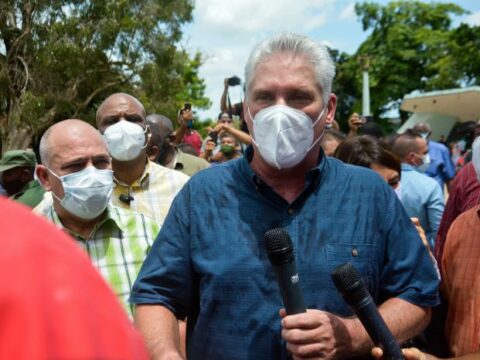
(225, 31)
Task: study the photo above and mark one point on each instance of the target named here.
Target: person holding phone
(186, 133)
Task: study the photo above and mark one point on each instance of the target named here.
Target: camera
(213, 136)
(234, 81)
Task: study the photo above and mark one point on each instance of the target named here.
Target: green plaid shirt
(117, 247)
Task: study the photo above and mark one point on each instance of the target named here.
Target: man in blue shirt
(421, 195)
(209, 262)
(441, 167)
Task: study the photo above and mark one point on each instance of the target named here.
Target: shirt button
(291, 211)
(354, 252)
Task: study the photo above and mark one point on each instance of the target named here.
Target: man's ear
(153, 152)
(42, 176)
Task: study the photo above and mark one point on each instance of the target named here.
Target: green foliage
(61, 58)
(412, 46)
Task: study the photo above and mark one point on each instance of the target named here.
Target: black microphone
(127, 199)
(349, 283)
(280, 252)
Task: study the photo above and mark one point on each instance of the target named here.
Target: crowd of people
(174, 225)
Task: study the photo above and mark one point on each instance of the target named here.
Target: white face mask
(283, 135)
(424, 165)
(125, 140)
(87, 192)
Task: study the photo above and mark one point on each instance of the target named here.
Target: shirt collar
(111, 217)
(407, 167)
(316, 174)
(142, 181)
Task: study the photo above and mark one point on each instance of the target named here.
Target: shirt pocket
(363, 257)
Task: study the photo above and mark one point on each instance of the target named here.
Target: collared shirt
(189, 164)
(441, 167)
(461, 271)
(464, 194)
(117, 247)
(422, 198)
(152, 193)
(209, 261)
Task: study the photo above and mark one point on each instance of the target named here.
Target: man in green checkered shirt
(76, 168)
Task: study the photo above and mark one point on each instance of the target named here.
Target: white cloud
(260, 15)
(348, 13)
(473, 19)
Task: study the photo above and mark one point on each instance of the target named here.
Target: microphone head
(279, 246)
(348, 282)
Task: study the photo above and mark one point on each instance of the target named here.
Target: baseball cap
(14, 158)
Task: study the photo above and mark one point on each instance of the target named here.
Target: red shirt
(193, 139)
(461, 271)
(464, 194)
(54, 303)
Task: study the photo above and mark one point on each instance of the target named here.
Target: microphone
(349, 283)
(280, 252)
(127, 199)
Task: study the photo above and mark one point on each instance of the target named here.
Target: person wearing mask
(210, 262)
(224, 124)
(76, 168)
(139, 184)
(17, 168)
(441, 167)
(162, 150)
(370, 152)
(229, 148)
(421, 195)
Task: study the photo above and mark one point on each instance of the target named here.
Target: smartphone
(213, 136)
(187, 106)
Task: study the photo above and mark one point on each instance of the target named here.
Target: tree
(61, 58)
(409, 48)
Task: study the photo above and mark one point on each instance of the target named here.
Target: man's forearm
(180, 133)
(159, 328)
(404, 320)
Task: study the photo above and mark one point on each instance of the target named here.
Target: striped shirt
(117, 247)
(152, 193)
(461, 271)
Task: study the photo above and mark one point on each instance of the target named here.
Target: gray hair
(296, 45)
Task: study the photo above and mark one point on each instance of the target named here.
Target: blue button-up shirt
(441, 166)
(209, 261)
(422, 198)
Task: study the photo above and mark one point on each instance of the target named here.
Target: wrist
(360, 342)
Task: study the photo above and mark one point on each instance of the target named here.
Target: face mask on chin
(284, 135)
(87, 192)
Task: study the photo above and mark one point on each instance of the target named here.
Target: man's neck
(129, 171)
(82, 227)
(167, 156)
(288, 183)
